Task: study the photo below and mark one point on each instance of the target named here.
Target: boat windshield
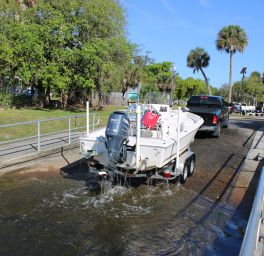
(158, 98)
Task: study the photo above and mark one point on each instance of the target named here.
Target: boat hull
(154, 152)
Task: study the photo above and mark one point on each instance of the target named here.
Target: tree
(224, 90)
(69, 46)
(257, 75)
(163, 80)
(231, 39)
(135, 71)
(145, 88)
(254, 87)
(188, 87)
(198, 59)
(215, 91)
(156, 68)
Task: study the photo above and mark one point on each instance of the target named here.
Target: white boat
(152, 143)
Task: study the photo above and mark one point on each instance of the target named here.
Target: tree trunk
(207, 84)
(64, 98)
(47, 98)
(230, 78)
(127, 92)
(100, 100)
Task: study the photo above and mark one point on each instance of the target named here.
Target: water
(69, 215)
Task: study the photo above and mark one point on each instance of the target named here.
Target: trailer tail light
(93, 168)
(167, 175)
(214, 120)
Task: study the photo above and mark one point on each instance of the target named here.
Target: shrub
(5, 98)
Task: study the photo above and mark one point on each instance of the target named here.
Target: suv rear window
(203, 101)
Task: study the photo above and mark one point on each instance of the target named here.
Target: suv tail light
(214, 120)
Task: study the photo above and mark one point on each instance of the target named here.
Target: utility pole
(243, 71)
(172, 78)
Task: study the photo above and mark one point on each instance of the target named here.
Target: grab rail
(50, 133)
(250, 241)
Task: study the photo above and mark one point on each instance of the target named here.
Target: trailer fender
(183, 159)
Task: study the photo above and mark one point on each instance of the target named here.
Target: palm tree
(133, 75)
(198, 59)
(163, 80)
(256, 74)
(231, 39)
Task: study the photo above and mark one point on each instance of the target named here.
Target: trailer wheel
(191, 167)
(176, 180)
(184, 175)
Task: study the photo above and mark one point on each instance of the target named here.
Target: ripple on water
(59, 216)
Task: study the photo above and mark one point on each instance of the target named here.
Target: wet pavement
(52, 208)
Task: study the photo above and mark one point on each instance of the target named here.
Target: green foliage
(253, 88)
(198, 59)
(184, 89)
(256, 74)
(5, 98)
(231, 39)
(65, 45)
(224, 90)
(215, 91)
(156, 68)
(163, 81)
(135, 71)
(22, 100)
(148, 88)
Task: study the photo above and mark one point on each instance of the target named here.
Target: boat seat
(146, 134)
(186, 124)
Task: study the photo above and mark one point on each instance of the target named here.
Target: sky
(170, 29)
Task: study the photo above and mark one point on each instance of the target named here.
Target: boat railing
(251, 237)
(51, 133)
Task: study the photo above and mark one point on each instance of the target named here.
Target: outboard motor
(116, 134)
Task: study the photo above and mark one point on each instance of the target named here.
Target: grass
(27, 115)
(238, 115)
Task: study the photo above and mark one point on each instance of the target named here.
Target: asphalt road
(218, 161)
(248, 122)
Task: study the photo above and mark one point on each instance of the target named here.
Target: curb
(38, 155)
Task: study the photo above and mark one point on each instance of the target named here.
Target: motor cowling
(116, 134)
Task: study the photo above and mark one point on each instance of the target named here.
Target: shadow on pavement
(244, 208)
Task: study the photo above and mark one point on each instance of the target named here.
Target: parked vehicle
(213, 109)
(245, 108)
(28, 93)
(232, 107)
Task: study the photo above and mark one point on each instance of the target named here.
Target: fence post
(69, 130)
(93, 122)
(87, 117)
(38, 136)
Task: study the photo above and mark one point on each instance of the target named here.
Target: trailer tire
(176, 180)
(191, 167)
(184, 175)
